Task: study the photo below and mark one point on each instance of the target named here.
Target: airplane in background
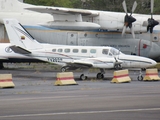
(72, 57)
(85, 27)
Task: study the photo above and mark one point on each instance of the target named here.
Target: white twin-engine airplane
(72, 57)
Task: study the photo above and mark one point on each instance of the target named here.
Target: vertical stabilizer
(13, 5)
(19, 36)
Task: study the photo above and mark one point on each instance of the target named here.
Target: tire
(83, 77)
(63, 69)
(140, 78)
(100, 76)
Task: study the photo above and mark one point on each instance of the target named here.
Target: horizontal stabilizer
(19, 50)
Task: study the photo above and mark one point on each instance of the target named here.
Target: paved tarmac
(36, 98)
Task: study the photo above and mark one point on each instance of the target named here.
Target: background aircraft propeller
(151, 22)
(128, 20)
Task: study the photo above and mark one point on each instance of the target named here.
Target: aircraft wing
(67, 18)
(80, 63)
(63, 11)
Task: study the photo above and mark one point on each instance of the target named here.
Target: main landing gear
(100, 75)
(83, 77)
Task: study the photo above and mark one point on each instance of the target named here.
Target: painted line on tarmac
(41, 98)
(85, 112)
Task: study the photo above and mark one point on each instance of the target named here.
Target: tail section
(18, 36)
(12, 5)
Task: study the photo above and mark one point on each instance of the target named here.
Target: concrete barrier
(65, 78)
(121, 76)
(6, 81)
(151, 75)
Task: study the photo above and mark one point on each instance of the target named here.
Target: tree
(105, 5)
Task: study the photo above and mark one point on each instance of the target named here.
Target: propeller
(128, 19)
(117, 64)
(151, 22)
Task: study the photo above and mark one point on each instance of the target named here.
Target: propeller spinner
(128, 20)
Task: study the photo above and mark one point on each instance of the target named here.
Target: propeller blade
(124, 30)
(124, 6)
(152, 5)
(132, 31)
(134, 7)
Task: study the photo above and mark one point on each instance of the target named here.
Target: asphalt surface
(36, 98)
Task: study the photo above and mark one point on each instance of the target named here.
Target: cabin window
(105, 51)
(84, 50)
(75, 50)
(93, 51)
(66, 50)
(53, 50)
(60, 50)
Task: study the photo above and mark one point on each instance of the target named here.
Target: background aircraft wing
(63, 11)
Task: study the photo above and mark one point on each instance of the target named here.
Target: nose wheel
(140, 76)
(100, 76)
(83, 77)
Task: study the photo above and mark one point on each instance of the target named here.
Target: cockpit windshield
(114, 51)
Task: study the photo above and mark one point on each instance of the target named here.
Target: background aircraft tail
(12, 5)
(18, 36)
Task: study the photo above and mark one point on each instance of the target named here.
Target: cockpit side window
(105, 51)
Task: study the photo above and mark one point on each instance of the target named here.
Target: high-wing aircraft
(72, 57)
(81, 27)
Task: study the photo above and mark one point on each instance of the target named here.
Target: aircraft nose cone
(153, 63)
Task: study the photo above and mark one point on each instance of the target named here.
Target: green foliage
(56, 3)
(105, 5)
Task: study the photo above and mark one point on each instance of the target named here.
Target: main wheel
(100, 76)
(63, 69)
(83, 77)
